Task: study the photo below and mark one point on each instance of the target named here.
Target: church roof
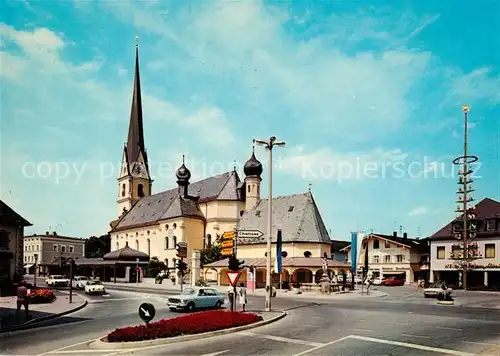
(296, 215)
(9, 216)
(169, 204)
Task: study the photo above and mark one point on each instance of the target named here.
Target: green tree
(155, 266)
(96, 247)
(210, 254)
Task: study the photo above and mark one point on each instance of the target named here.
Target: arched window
(376, 244)
(307, 254)
(174, 241)
(166, 262)
(137, 245)
(166, 243)
(123, 189)
(248, 188)
(140, 190)
(117, 245)
(209, 240)
(149, 247)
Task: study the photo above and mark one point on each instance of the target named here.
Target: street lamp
(269, 146)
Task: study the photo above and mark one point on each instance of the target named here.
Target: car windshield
(94, 283)
(188, 291)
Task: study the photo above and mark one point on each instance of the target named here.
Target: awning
(29, 265)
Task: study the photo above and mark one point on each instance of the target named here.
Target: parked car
(437, 288)
(393, 281)
(57, 281)
(95, 287)
(79, 282)
(375, 281)
(196, 298)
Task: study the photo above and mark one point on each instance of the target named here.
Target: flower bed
(41, 295)
(182, 325)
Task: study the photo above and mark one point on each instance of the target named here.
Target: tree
(155, 266)
(235, 264)
(210, 254)
(96, 247)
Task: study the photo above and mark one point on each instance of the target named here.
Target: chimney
(405, 235)
(47, 233)
(395, 234)
(54, 233)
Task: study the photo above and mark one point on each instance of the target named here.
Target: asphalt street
(371, 326)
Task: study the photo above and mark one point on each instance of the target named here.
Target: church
(198, 213)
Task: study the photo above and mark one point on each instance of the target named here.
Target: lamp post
(34, 277)
(137, 272)
(269, 146)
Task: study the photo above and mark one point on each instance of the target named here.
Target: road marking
(447, 328)
(413, 335)
(67, 352)
(365, 330)
(411, 346)
(324, 345)
(216, 353)
(481, 343)
(65, 347)
(397, 323)
(284, 339)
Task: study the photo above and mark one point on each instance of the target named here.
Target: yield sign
(233, 277)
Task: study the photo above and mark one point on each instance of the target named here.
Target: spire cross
(136, 41)
(183, 159)
(253, 146)
(234, 165)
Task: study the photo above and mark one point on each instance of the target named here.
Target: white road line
(65, 347)
(68, 352)
(324, 345)
(411, 346)
(481, 343)
(364, 330)
(413, 335)
(284, 339)
(216, 353)
(397, 323)
(48, 327)
(447, 328)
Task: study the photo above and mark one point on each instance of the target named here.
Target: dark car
(393, 281)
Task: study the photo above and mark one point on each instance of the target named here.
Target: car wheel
(218, 305)
(190, 307)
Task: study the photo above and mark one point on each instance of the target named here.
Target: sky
(366, 95)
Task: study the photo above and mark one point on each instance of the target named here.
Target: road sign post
(233, 277)
(147, 312)
(254, 234)
(228, 243)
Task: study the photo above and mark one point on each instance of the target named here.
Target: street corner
(102, 343)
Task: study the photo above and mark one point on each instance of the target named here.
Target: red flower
(41, 295)
(182, 325)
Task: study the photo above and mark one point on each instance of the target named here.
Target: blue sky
(351, 87)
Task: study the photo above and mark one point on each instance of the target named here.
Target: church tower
(134, 180)
(253, 170)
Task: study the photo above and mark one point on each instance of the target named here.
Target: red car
(393, 281)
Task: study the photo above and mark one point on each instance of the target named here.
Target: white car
(437, 288)
(95, 287)
(79, 282)
(378, 281)
(57, 281)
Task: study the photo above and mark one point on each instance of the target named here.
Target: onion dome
(183, 174)
(253, 167)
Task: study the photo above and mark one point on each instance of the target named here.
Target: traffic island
(184, 328)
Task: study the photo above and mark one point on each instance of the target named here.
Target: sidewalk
(169, 288)
(10, 319)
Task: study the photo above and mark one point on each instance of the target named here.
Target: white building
(485, 270)
(394, 256)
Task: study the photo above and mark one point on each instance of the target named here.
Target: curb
(33, 323)
(446, 302)
(99, 344)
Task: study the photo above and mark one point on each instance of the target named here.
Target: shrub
(182, 325)
(41, 295)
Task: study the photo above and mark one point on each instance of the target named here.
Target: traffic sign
(181, 248)
(147, 312)
(227, 244)
(226, 251)
(233, 277)
(228, 235)
(255, 234)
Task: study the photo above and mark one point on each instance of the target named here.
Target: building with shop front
(11, 244)
(43, 251)
(483, 271)
(394, 256)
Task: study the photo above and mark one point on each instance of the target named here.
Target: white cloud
(419, 211)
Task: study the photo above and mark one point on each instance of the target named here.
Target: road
(373, 326)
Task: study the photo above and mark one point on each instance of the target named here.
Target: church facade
(198, 213)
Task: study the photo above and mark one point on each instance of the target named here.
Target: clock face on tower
(137, 170)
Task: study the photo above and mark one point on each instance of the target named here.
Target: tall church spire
(135, 141)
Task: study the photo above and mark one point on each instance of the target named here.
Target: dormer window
(290, 208)
(490, 224)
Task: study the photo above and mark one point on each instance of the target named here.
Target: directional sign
(233, 277)
(250, 233)
(226, 251)
(227, 244)
(147, 312)
(228, 235)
